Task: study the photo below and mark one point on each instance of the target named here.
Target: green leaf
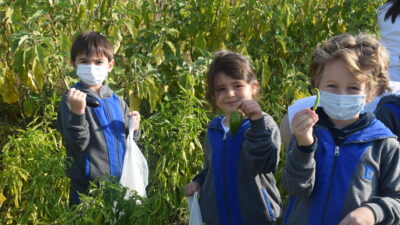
(22, 40)
(171, 46)
(18, 60)
(65, 42)
(41, 54)
(29, 108)
(103, 8)
(90, 5)
(82, 13)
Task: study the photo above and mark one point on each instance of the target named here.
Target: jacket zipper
(116, 139)
(337, 148)
(224, 179)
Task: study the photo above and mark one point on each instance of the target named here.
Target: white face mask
(91, 74)
(342, 107)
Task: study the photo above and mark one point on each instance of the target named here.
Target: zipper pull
(337, 150)
(225, 135)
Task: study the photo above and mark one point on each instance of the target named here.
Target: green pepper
(234, 122)
(316, 92)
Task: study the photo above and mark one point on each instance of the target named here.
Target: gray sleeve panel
(200, 177)
(262, 144)
(73, 127)
(298, 173)
(386, 205)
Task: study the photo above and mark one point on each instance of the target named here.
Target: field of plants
(162, 50)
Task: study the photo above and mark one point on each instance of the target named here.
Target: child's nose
(342, 92)
(231, 92)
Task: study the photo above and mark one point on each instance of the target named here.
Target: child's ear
(369, 98)
(72, 64)
(110, 65)
(255, 87)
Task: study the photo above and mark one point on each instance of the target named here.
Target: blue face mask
(342, 107)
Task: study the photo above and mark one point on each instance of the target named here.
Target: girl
(237, 184)
(343, 166)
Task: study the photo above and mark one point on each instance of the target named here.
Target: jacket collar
(375, 131)
(216, 123)
(104, 91)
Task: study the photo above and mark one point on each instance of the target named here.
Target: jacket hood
(375, 131)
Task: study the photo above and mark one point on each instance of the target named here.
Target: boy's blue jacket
(96, 140)
(237, 182)
(327, 184)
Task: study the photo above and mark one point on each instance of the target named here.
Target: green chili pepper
(316, 92)
(234, 122)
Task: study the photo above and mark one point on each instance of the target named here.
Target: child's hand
(359, 216)
(136, 115)
(191, 188)
(302, 126)
(77, 101)
(251, 108)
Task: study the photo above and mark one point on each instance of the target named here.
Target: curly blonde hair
(366, 58)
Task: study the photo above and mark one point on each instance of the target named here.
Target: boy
(342, 166)
(91, 118)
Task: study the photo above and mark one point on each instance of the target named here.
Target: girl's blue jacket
(237, 183)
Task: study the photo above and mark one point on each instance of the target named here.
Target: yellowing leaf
(2, 198)
(134, 102)
(8, 89)
(299, 95)
(158, 54)
(29, 80)
(116, 38)
(38, 74)
(171, 46)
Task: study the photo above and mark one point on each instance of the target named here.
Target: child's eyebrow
(219, 86)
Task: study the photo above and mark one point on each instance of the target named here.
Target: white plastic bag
(194, 207)
(134, 171)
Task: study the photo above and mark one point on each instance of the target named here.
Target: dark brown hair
(393, 11)
(231, 64)
(91, 43)
(364, 55)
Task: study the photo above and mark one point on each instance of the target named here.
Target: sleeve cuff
(77, 120)
(310, 148)
(377, 210)
(258, 125)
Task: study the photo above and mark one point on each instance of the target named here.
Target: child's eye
(219, 90)
(331, 86)
(355, 88)
(239, 86)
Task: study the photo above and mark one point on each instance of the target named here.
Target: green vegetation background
(162, 50)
